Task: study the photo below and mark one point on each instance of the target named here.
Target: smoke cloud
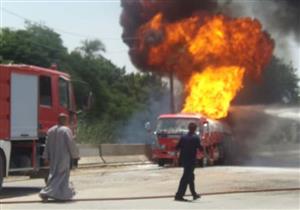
(137, 13)
(280, 17)
(266, 136)
(134, 131)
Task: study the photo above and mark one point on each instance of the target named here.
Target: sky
(77, 20)
(74, 21)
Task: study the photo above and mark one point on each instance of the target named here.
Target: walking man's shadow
(13, 192)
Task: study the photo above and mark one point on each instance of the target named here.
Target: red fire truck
(30, 100)
(170, 127)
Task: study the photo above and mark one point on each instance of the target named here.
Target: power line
(68, 32)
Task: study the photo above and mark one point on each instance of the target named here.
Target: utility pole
(172, 104)
(171, 63)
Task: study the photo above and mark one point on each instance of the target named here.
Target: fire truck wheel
(161, 162)
(1, 170)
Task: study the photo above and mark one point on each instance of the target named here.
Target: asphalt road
(151, 187)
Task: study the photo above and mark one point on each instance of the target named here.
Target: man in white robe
(59, 151)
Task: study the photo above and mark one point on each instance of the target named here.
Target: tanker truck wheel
(161, 162)
(1, 171)
(203, 162)
(220, 154)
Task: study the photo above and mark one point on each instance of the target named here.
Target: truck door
(24, 106)
(65, 101)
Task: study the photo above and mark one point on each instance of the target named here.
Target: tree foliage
(35, 45)
(117, 94)
(91, 48)
(279, 84)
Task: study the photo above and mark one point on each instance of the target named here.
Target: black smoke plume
(278, 16)
(287, 17)
(137, 13)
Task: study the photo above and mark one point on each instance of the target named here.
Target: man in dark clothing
(188, 145)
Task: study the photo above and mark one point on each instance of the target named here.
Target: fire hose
(156, 197)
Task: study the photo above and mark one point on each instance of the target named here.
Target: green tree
(91, 48)
(279, 84)
(36, 45)
(117, 95)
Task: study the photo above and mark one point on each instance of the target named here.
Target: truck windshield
(174, 125)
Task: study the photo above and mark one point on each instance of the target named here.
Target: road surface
(151, 187)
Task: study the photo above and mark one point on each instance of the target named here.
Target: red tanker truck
(31, 98)
(214, 136)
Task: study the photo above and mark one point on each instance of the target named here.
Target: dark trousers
(187, 178)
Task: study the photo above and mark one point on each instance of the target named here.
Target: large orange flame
(209, 54)
(211, 91)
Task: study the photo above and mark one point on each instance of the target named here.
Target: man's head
(192, 127)
(62, 119)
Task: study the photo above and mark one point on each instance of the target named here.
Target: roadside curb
(113, 154)
(116, 164)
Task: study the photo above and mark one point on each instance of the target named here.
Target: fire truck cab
(31, 98)
(170, 127)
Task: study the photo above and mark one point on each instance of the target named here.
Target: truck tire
(222, 156)
(229, 148)
(161, 162)
(203, 162)
(1, 171)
